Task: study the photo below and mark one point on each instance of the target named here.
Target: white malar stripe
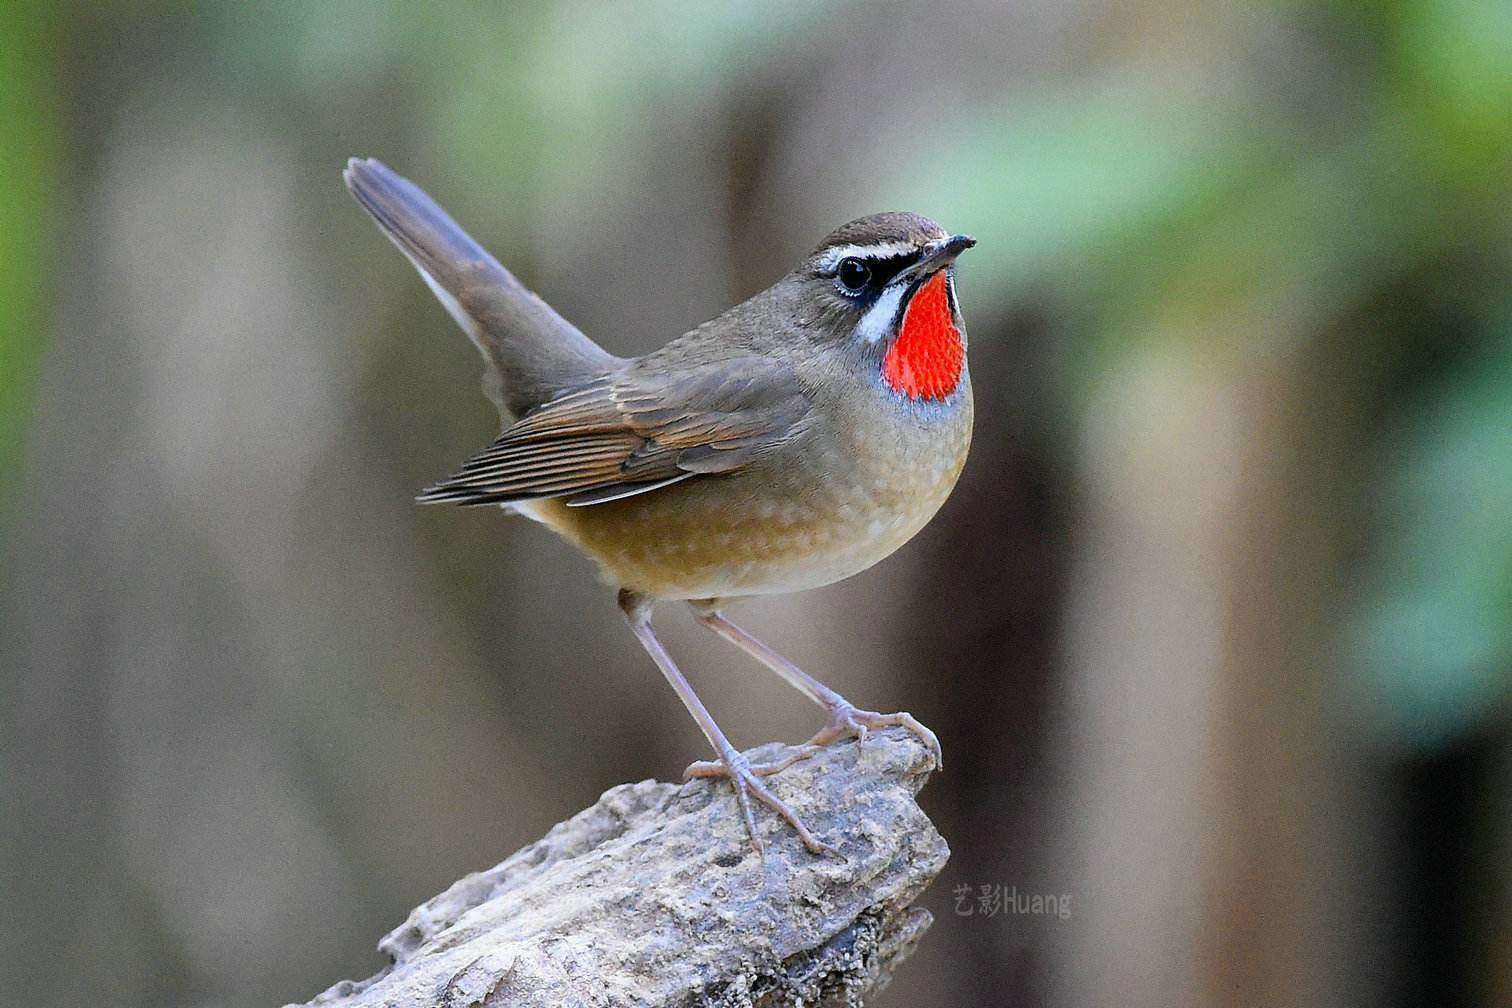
(880, 250)
(877, 323)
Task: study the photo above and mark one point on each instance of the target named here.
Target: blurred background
(1216, 630)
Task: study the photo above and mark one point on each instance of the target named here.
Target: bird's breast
(853, 492)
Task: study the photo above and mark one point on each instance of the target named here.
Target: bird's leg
(732, 763)
(845, 719)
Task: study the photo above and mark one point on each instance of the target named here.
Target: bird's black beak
(935, 257)
(950, 248)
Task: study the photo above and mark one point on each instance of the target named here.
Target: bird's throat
(926, 359)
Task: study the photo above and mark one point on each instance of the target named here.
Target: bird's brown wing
(636, 430)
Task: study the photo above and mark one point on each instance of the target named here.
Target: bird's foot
(847, 721)
(746, 780)
(717, 768)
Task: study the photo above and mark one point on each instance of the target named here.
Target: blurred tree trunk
(1219, 806)
(1280, 860)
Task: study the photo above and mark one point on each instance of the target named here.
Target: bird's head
(884, 287)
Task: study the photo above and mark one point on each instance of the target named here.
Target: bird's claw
(717, 768)
(847, 721)
(746, 780)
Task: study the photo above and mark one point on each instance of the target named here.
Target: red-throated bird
(795, 440)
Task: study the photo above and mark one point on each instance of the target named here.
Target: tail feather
(531, 352)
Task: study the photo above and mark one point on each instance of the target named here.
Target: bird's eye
(853, 274)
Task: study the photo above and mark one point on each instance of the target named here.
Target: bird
(792, 441)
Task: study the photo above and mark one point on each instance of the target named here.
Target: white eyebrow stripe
(879, 250)
(877, 322)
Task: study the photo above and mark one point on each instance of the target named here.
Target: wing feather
(642, 428)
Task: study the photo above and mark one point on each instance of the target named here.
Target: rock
(654, 896)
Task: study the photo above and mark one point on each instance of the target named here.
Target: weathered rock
(655, 897)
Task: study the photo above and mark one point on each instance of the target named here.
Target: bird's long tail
(531, 352)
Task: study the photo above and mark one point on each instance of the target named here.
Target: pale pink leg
(731, 763)
(845, 719)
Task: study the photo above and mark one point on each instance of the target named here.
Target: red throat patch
(926, 359)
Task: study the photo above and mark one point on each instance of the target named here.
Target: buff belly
(774, 529)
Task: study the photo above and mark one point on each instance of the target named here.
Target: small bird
(796, 439)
